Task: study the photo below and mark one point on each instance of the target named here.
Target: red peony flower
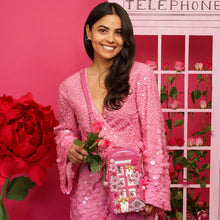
(26, 138)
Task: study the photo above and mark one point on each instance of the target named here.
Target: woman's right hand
(75, 154)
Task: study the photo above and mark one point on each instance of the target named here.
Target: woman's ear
(88, 32)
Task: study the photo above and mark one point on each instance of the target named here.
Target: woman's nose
(110, 37)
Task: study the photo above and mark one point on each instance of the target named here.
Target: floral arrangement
(94, 145)
(27, 146)
(196, 161)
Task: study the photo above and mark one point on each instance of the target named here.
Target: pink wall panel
(41, 44)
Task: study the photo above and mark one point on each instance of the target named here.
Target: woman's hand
(75, 154)
(148, 210)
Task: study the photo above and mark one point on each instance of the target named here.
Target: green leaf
(178, 122)
(171, 79)
(93, 164)
(3, 213)
(199, 153)
(190, 154)
(183, 161)
(197, 93)
(173, 92)
(78, 142)
(169, 123)
(162, 89)
(199, 76)
(204, 93)
(203, 184)
(205, 130)
(179, 215)
(175, 161)
(18, 188)
(179, 195)
(193, 97)
(163, 97)
(209, 104)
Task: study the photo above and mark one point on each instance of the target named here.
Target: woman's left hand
(148, 210)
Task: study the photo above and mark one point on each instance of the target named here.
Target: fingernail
(146, 209)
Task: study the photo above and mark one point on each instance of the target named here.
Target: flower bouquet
(27, 146)
(93, 145)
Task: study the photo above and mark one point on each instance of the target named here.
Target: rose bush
(26, 138)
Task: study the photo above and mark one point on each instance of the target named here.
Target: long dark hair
(116, 81)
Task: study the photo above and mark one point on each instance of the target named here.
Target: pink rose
(190, 216)
(166, 66)
(104, 144)
(178, 66)
(191, 141)
(96, 127)
(198, 66)
(152, 64)
(203, 215)
(203, 104)
(171, 142)
(174, 104)
(207, 66)
(198, 141)
(180, 142)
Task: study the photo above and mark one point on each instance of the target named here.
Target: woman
(125, 100)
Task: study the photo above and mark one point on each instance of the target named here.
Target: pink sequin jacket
(139, 123)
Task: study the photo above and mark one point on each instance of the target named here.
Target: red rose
(207, 66)
(178, 167)
(171, 142)
(26, 138)
(180, 142)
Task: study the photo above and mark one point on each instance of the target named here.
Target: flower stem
(4, 189)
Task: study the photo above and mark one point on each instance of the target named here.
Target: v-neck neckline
(90, 94)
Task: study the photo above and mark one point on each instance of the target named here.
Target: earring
(88, 38)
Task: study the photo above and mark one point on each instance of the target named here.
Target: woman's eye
(118, 32)
(102, 30)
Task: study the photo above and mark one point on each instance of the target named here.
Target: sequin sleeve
(66, 132)
(155, 156)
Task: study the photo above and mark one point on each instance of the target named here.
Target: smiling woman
(122, 95)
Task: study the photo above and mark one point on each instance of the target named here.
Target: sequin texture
(139, 123)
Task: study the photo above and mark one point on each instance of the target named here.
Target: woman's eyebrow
(103, 26)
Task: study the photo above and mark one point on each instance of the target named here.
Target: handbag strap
(86, 94)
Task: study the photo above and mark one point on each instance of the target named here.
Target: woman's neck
(99, 68)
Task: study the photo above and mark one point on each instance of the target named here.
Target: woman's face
(106, 37)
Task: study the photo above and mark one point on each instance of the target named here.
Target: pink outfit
(139, 123)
